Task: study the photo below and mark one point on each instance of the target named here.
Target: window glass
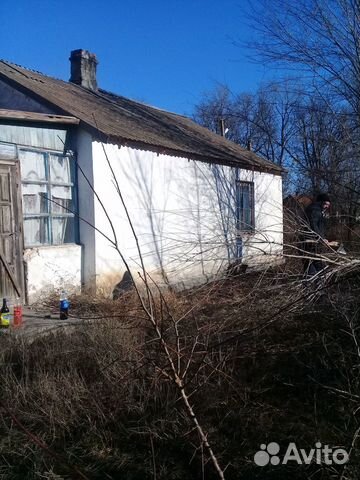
(36, 231)
(245, 205)
(34, 198)
(60, 169)
(58, 230)
(61, 197)
(63, 230)
(32, 166)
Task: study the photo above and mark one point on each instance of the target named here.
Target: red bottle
(17, 314)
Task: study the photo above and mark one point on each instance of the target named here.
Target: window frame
(49, 183)
(242, 225)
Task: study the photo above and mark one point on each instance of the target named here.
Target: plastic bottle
(64, 306)
(4, 315)
(17, 322)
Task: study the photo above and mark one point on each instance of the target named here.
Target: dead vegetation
(261, 357)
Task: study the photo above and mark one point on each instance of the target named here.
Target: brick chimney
(83, 69)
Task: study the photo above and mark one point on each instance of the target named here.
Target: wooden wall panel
(11, 271)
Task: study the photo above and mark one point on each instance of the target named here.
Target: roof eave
(23, 116)
(120, 141)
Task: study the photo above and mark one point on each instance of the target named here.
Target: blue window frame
(48, 197)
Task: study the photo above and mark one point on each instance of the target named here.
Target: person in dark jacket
(316, 215)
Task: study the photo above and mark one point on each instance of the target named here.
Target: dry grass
(264, 364)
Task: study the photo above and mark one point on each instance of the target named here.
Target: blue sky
(166, 53)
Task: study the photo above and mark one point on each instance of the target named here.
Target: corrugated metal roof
(119, 120)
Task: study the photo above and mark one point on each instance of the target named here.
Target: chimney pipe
(83, 69)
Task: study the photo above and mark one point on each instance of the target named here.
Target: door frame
(15, 187)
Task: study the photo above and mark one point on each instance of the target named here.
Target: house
(76, 161)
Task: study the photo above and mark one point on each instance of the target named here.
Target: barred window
(245, 206)
(48, 198)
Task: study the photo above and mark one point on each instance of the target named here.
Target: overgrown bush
(266, 359)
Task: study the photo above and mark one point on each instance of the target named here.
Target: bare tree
(262, 120)
(318, 38)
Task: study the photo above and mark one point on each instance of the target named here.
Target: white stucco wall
(265, 245)
(174, 207)
(52, 268)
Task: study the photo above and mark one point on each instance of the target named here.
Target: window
(48, 198)
(245, 217)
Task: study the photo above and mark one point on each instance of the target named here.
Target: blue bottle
(64, 306)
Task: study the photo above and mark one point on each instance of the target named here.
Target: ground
(264, 358)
